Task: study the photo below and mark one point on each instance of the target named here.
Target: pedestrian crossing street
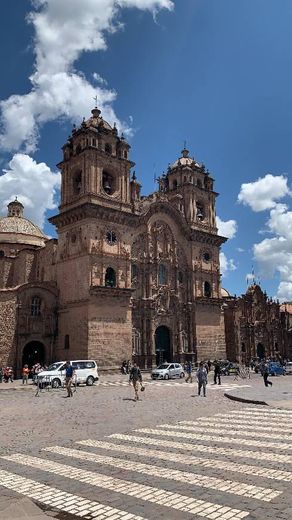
(214, 467)
(161, 383)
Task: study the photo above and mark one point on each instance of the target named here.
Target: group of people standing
(6, 374)
(202, 374)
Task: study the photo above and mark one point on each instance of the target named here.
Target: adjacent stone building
(257, 327)
(128, 276)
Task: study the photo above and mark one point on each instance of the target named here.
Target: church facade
(129, 276)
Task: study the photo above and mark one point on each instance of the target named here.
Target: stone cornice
(115, 215)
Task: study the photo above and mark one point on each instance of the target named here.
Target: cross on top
(95, 99)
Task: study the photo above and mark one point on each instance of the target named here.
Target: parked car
(229, 368)
(276, 369)
(288, 368)
(168, 371)
(85, 371)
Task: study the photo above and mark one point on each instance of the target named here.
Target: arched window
(110, 277)
(162, 275)
(35, 308)
(66, 342)
(207, 289)
(185, 178)
(199, 183)
(243, 347)
(180, 277)
(94, 143)
(108, 183)
(77, 182)
(125, 154)
(174, 185)
(200, 212)
(78, 148)
(134, 273)
(108, 148)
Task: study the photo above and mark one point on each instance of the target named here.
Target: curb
(243, 400)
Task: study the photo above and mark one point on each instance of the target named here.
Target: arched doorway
(260, 351)
(162, 345)
(33, 352)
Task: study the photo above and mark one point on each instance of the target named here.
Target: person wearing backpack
(135, 378)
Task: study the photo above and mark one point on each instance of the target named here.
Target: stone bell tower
(93, 260)
(95, 166)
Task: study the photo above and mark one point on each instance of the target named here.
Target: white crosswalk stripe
(195, 454)
(217, 450)
(237, 488)
(240, 423)
(141, 491)
(176, 384)
(223, 430)
(272, 410)
(271, 416)
(191, 460)
(206, 437)
(67, 502)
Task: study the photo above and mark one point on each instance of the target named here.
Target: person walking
(202, 378)
(25, 374)
(217, 373)
(189, 377)
(68, 378)
(135, 378)
(266, 375)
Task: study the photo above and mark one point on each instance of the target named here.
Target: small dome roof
(184, 160)
(224, 293)
(15, 229)
(96, 120)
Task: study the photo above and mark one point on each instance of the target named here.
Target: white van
(85, 372)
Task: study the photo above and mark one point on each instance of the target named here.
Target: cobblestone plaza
(101, 455)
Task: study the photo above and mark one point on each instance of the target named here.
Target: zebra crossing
(161, 383)
(184, 469)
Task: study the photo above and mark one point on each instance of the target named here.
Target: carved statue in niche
(162, 300)
(163, 240)
(139, 247)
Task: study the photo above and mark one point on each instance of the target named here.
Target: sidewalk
(20, 509)
(279, 395)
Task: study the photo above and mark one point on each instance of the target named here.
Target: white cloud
(33, 183)
(226, 229)
(99, 79)
(62, 34)
(240, 250)
(263, 193)
(226, 264)
(274, 255)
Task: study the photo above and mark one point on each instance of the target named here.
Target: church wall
(8, 317)
(73, 322)
(46, 268)
(73, 277)
(110, 330)
(6, 272)
(210, 332)
(24, 267)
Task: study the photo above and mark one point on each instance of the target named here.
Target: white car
(168, 371)
(288, 368)
(85, 372)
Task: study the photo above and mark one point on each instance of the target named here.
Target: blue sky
(214, 73)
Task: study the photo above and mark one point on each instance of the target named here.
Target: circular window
(207, 256)
(111, 237)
